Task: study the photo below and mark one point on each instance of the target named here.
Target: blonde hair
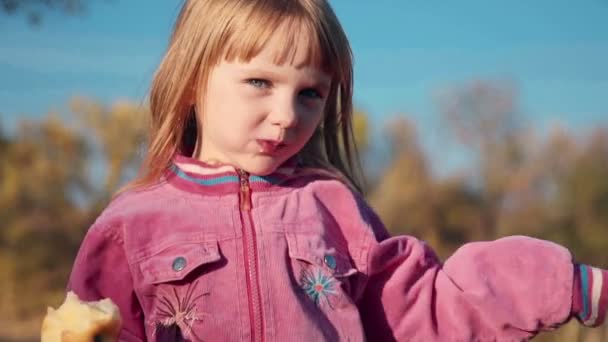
(207, 31)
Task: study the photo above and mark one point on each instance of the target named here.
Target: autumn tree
(50, 193)
(41, 167)
(116, 135)
(34, 9)
(484, 116)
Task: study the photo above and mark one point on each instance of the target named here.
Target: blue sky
(405, 51)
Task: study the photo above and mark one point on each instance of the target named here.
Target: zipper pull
(245, 190)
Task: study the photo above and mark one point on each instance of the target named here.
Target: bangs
(249, 33)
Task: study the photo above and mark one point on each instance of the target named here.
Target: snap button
(330, 261)
(179, 264)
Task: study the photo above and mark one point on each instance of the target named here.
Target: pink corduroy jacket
(218, 255)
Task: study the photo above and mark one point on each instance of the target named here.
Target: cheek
(311, 119)
(232, 112)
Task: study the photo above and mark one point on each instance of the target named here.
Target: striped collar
(196, 176)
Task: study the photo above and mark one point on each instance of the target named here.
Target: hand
(79, 321)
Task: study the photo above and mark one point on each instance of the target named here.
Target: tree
(402, 197)
(578, 211)
(411, 201)
(41, 167)
(117, 133)
(49, 196)
(484, 116)
(33, 9)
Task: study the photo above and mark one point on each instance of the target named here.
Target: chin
(261, 167)
(261, 170)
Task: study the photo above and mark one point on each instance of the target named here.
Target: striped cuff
(590, 294)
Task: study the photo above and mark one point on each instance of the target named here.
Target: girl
(246, 223)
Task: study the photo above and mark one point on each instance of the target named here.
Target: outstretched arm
(508, 289)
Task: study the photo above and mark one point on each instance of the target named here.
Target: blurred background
(475, 120)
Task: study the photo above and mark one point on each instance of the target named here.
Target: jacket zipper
(256, 318)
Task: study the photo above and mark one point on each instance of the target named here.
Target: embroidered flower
(318, 286)
(176, 313)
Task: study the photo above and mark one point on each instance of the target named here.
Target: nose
(285, 115)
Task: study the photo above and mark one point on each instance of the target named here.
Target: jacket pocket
(176, 261)
(321, 252)
(322, 269)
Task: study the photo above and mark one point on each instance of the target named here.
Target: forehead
(292, 43)
(296, 45)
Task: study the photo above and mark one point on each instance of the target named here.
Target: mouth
(270, 146)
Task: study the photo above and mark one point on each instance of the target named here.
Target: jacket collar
(193, 175)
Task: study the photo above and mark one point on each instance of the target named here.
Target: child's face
(258, 114)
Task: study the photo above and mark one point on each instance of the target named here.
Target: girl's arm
(101, 271)
(508, 289)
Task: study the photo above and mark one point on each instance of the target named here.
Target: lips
(269, 146)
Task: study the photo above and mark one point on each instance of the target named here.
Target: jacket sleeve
(101, 271)
(590, 298)
(508, 289)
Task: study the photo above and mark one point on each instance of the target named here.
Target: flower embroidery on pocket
(176, 313)
(318, 286)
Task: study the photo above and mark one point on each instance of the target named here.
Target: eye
(311, 93)
(259, 83)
